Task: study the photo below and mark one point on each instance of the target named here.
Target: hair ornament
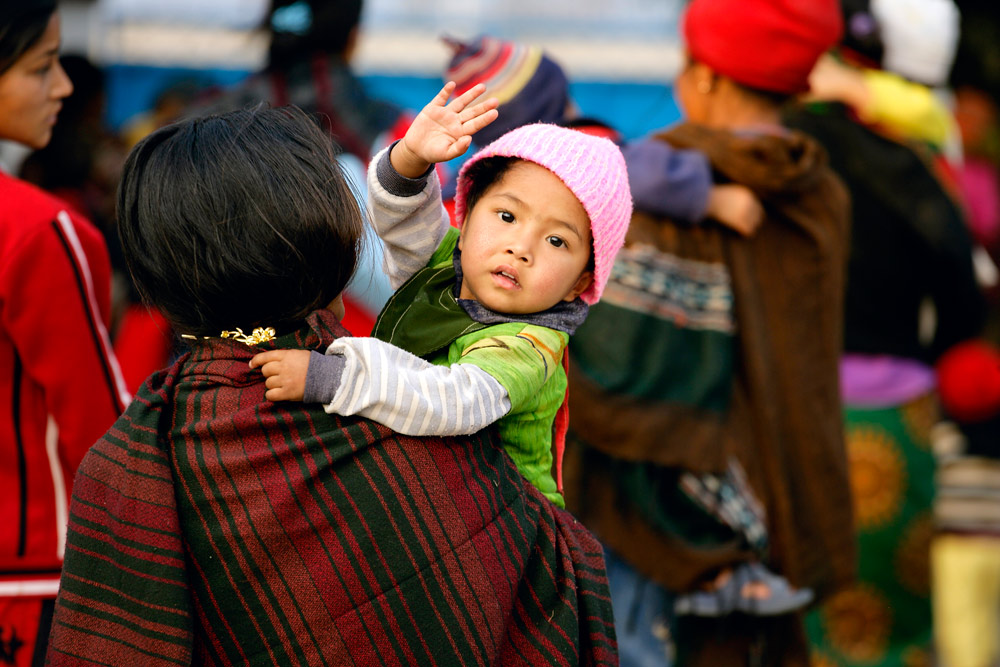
(256, 337)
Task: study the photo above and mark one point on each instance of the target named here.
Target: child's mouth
(505, 278)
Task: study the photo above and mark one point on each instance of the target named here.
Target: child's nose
(519, 250)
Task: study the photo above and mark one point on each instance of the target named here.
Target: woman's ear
(705, 78)
(583, 282)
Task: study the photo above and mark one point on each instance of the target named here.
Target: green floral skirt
(884, 620)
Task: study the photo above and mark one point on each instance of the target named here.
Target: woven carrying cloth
(209, 526)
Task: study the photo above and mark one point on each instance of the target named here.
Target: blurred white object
(11, 156)
(987, 273)
(244, 14)
(920, 38)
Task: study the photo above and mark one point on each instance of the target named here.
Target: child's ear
(582, 283)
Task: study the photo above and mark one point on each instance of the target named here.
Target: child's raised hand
(285, 371)
(442, 130)
(736, 207)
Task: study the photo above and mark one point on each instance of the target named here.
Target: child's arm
(404, 192)
(909, 109)
(736, 207)
(373, 379)
(677, 184)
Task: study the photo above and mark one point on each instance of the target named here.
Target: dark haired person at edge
(309, 65)
(724, 366)
(211, 526)
(60, 387)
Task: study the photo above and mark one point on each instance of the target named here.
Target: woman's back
(305, 538)
(908, 243)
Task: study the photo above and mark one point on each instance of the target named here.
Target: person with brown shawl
(724, 359)
(210, 526)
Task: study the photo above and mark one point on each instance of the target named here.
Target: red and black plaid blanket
(209, 526)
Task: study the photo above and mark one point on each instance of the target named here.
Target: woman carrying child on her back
(483, 316)
(261, 533)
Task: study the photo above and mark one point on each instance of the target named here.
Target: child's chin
(513, 308)
(503, 306)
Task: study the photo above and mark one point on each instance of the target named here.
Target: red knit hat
(765, 44)
(969, 381)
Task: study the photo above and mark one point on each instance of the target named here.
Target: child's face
(526, 243)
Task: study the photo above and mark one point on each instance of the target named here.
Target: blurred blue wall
(633, 108)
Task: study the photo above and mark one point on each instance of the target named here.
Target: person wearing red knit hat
(680, 459)
(771, 46)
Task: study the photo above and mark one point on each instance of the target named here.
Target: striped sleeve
(412, 396)
(408, 216)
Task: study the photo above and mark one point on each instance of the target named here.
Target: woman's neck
(734, 109)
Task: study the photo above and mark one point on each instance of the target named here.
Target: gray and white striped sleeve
(408, 215)
(412, 396)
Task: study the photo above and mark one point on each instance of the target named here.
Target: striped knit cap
(591, 167)
(530, 86)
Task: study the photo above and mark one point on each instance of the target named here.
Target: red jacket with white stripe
(60, 386)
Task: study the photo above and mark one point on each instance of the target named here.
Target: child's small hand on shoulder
(285, 373)
(442, 130)
(736, 207)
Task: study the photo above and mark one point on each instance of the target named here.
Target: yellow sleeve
(907, 108)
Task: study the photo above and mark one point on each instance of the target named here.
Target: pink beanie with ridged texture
(593, 168)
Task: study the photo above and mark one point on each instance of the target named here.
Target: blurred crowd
(784, 413)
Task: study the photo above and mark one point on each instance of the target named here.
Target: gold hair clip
(258, 336)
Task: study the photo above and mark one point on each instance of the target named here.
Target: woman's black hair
(243, 219)
(22, 30)
(770, 97)
(862, 36)
(320, 26)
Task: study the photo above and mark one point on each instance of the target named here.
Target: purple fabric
(879, 381)
(668, 181)
(323, 377)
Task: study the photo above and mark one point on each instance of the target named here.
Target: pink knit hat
(591, 167)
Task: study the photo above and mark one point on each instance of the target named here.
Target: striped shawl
(209, 526)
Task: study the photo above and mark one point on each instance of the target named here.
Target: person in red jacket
(60, 386)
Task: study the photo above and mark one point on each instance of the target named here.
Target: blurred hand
(442, 130)
(834, 81)
(285, 373)
(736, 207)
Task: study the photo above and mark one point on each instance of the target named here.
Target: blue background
(634, 109)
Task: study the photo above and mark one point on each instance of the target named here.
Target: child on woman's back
(483, 316)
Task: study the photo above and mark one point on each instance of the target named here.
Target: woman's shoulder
(27, 203)
(15, 193)
(27, 211)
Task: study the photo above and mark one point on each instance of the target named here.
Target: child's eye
(556, 242)
(506, 216)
